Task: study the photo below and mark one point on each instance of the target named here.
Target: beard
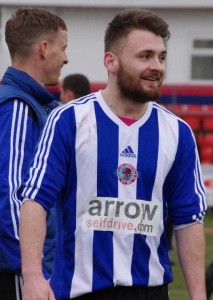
(130, 86)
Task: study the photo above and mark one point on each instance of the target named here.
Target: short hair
(129, 19)
(27, 25)
(77, 83)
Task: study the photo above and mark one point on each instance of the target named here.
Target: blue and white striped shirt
(114, 186)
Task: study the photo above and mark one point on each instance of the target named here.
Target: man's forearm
(32, 235)
(191, 252)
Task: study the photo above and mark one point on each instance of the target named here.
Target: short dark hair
(129, 19)
(78, 84)
(26, 25)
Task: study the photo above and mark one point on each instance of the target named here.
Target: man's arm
(191, 251)
(32, 236)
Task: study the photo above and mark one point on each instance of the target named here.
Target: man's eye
(145, 56)
(162, 58)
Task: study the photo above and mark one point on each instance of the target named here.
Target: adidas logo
(127, 152)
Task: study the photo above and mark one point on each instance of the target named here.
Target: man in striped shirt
(117, 165)
(36, 41)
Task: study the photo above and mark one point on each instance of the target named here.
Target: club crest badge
(127, 174)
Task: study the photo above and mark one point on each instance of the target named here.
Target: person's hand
(37, 288)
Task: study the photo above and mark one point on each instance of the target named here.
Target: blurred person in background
(73, 87)
(117, 165)
(37, 40)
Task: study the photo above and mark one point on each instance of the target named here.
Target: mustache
(155, 74)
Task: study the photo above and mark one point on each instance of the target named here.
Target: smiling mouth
(152, 78)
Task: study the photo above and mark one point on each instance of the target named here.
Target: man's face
(141, 66)
(56, 57)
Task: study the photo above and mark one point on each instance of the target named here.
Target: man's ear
(111, 62)
(42, 48)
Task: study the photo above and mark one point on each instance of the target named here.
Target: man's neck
(122, 107)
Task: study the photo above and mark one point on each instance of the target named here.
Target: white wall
(86, 28)
(184, 26)
(86, 41)
(115, 3)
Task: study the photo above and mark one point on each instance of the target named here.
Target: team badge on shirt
(127, 173)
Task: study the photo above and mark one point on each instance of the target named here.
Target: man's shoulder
(11, 93)
(82, 104)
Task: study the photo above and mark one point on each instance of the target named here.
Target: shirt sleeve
(47, 174)
(184, 188)
(16, 147)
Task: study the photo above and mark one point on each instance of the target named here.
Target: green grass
(177, 289)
